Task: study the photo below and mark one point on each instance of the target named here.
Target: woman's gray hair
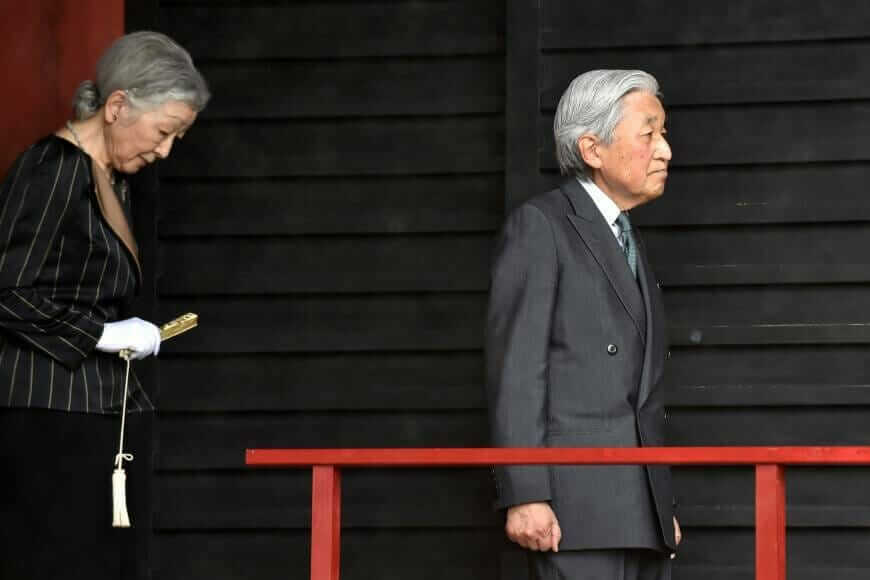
(592, 105)
(150, 68)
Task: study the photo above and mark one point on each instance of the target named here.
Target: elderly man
(576, 342)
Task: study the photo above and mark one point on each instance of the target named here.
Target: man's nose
(664, 149)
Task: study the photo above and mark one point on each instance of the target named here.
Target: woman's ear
(588, 147)
(114, 106)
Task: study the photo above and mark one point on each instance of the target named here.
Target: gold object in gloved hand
(181, 324)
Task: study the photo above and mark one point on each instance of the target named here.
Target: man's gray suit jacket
(575, 349)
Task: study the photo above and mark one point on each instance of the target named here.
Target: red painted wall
(49, 47)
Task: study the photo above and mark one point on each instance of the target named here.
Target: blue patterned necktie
(626, 238)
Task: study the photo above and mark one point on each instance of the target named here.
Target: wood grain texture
(265, 266)
(766, 305)
(769, 254)
(767, 375)
(795, 193)
(325, 382)
(802, 314)
(714, 552)
(769, 426)
(445, 322)
(522, 88)
(726, 75)
(332, 205)
(353, 88)
(741, 274)
(681, 23)
(462, 555)
(340, 147)
(346, 29)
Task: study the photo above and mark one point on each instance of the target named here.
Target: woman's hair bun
(86, 101)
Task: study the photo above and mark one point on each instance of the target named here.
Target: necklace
(122, 188)
(75, 135)
(109, 174)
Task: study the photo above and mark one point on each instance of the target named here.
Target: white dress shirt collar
(605, 205)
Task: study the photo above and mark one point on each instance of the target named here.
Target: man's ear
(588, 147)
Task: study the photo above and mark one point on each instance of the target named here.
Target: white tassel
(120, 518)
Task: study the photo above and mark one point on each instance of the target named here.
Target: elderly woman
(68, 265)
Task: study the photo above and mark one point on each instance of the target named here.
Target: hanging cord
(121, 456)
(120, 517)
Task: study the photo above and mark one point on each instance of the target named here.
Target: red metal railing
(769, 481)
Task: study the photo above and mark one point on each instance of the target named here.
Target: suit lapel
(655, 322)
(602, 244)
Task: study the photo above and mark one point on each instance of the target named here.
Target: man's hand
(533, 526)
(678, 536)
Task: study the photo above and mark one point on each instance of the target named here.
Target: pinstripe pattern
(14, 370)
(11, 231)
(30, 383)
(63, 273)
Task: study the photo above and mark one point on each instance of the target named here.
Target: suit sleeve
(33, 204)
(522, 294)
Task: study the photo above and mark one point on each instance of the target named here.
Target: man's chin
(653, 194)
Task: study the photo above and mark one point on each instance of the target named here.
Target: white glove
(139, 336)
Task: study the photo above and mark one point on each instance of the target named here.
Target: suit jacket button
(612, 349)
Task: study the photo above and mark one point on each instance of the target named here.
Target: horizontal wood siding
(330, 218)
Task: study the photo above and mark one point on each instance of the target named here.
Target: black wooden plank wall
(330, 218)
(760, 244)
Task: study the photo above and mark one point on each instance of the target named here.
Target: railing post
(769, 522)
(325, 522)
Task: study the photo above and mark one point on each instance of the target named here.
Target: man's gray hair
(592, 105)
(150, 68)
